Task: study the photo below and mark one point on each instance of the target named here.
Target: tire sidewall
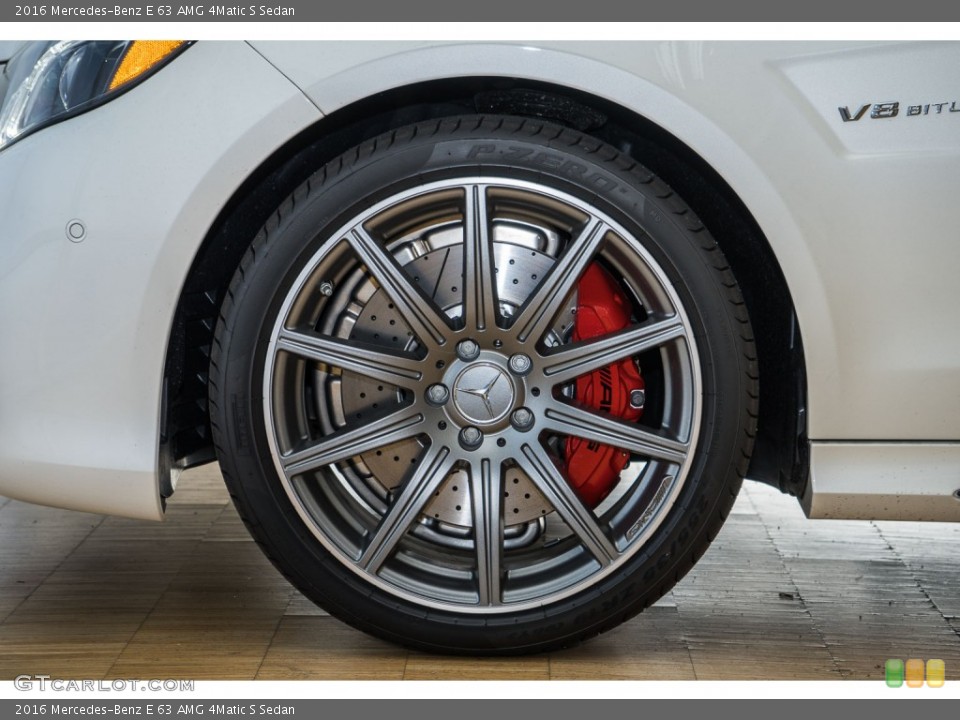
(498, 147)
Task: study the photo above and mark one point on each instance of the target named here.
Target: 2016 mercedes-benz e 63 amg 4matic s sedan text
(484, 337)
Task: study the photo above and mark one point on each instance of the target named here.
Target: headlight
(50, 82)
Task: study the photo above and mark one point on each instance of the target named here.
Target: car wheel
(483, 385)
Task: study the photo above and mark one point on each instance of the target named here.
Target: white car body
(861, 216)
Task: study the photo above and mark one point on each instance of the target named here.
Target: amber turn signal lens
(140, 57)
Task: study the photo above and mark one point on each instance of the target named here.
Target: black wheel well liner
(781, 452)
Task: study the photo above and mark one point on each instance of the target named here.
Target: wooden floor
(776, 597)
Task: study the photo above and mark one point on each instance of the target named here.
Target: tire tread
(619, 163)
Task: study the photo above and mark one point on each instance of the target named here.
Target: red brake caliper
(592, 469)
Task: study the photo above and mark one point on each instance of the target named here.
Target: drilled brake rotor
(433, 259)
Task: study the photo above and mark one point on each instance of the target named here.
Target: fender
(339, 74)
(764, 116)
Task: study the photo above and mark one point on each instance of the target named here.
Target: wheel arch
(781, 451)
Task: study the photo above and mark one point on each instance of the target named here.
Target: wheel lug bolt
(470, 438)
(522, 419)
(520, 364)
(468, 350)
(637, 399)
(437, 394)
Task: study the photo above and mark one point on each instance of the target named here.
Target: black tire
(663, 233)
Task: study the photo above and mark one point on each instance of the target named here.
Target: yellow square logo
(936, 672)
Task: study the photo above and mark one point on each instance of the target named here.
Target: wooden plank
(433, 667)
(323, 648)
(648, 647)
(776, 597)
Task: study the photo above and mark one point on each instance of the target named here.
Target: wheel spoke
(435, 465)
(533, 321)
(480, 302)
(433, 470)
(398, 425)
(486, 492)
(418, 311)
(582, 423)
(580, 358)
(544, 473)
(359, 357)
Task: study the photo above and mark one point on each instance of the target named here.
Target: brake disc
(433, 258)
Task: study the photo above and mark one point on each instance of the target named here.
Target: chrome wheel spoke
(486, 490)
(434, 466)
(545, 474)
(582, 423)
(580, 358)
(542, 307)
(398, 425)
(479, 285)
(363, 358)
(417, 310)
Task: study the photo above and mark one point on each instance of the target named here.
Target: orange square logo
(914, 673)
